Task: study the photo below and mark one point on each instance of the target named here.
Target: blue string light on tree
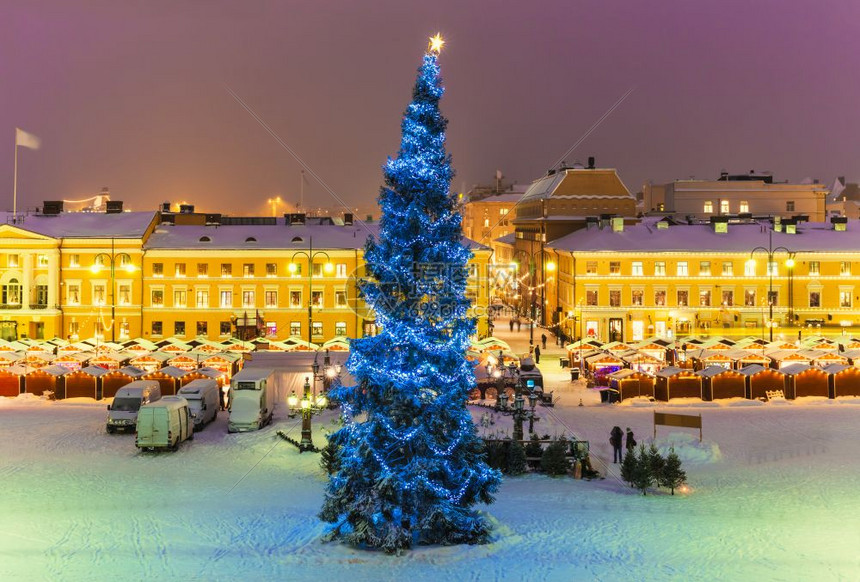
(411, 464)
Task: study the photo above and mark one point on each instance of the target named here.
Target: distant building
(737, 194)
(844, 199)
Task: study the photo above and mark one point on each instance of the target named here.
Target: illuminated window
(124, 295)
(729, 270)
(728, 298)
(845, 268)
(815, 298)
(709, 207)
(614, 268)
(179, 328)
(636, 269)
(591, 267)
(74, 260)
(226, 270)
(749, 268)
(636, 297)
(12, 261)
(295, 299)
(749, 297)
(157, 328)
(226, 298)
(744, 207)
(845, 298)
(248, 270)
(248, 298)
(705, 297)
(340, 328)
(224, 328)
(74, 294)
(202, 269)
(158, 269)
(591, 297)
(340, 270)
(317, 298)
(772, 269)
(271, 298)
(157, 298)
(659, 269)
(180, 298)
(296, 328)
(203, 298)
(98, 294)
(340, 299)
(814, 268)
(773, 297)
(202, 328)
(317, 328)
(683, 298)
(615, 297)
(682, 269)
(724, 207)
(704, 268)
(42, 260)
(271, 270)
(660, 298)
(180, 269)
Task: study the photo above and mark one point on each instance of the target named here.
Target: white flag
(27, 140)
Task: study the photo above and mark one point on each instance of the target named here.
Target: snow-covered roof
(84, 224)
(578, 183)
(816, 237)
(712, 371)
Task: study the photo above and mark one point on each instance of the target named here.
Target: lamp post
(517, 410)
(548, 266)
(327, 268)
(111, 259)
(789, 262)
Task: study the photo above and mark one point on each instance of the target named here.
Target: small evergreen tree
(329, 458)
(672, 476)
(496, 454)
(628, 467)
(553, 461)
(656, 462)
(642, 477)
(534, 448)
(516, 459)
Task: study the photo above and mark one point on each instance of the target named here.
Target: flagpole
(15, 183)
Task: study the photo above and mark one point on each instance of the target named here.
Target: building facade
(124, 275)
(668, 280)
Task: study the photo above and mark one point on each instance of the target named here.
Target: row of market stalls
(720, 368)
(97, 370)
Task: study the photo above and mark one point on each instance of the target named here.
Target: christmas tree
(672, 476)
(411, 463)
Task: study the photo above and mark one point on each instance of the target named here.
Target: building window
(815, 298)
(296, 328)
(683, 298)
(74, 260)
(317, 328)
(591, 267)
(295, 269)
(180, 298)
(317, 298)
(728, 269)
(789, 206)
(749, 297)
(158, 269)
(271, 270)
(743, 207)
(772, 269)
(226, 270)
(203, 298)
(636, 297)
(709, 207)
(486, 223)
(271, 298)
(295, 299)
(636, 269)
(814, 268)
(271, 329)
(340, 328)
(773, 297)
(705, 297)
(202, 269)
(660, 269)
(98, 294)
(845, 268)
(11, 293)
(202, 329)
(157, 328)
(704, 268)
(157, 298)
(724, 207)
(660, 298)
(591, 297)
(124, 296)
(74, 294)
(248, 270)
(178, 328)
(41, 260)
(749, 268)
(340, 298)
(682, 269)
(42, 295)
(248, 298)
(226, 298)
(728, 298)
(845, 298)
(614, 268)
(180, 269)
(74, 328)
(12, 261)
(340, 270)
(224, 328)
(615, 297)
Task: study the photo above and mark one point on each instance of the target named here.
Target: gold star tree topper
(436, 43)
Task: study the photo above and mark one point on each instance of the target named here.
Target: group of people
(617, 438)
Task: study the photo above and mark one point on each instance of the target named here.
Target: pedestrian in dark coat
(537, 354)
(519, 323)
(615, 438)
(512, 324)
(630, 444)
(543, 340)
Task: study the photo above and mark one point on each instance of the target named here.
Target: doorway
(9, 330)
(616, 329)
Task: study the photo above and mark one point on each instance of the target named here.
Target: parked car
(164, 424)
(203, 400)
(122, 413)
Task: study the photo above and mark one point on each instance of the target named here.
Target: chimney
(591, 222)
(213, 219)
(605, 220)
(113, 207)
(52, 207)
(590, 162)
(186, 209)
(297, 218)
(165, 207)
(347, 219)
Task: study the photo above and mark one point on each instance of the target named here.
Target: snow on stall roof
(688, 238)
(84, 224)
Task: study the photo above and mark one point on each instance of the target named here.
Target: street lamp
(274, 202)
(770, 251)
(310, 404)
(517, 410)
(548, 266)
(327, 268)
(111, 259)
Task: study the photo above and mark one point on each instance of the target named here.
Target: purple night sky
(131, 95)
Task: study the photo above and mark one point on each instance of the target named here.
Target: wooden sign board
(682, 420)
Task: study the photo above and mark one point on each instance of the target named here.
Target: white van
(203, 396)
(122, 413)
(251, 400)
(164, 424)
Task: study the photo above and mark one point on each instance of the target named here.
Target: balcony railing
(10, 306)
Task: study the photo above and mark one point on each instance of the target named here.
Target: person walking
(537, 354)
(511, 322)
(543, 340)
(519, 323)
(630, 443)
(615, 438)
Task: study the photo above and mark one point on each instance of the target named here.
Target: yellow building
(662, 279)
(124, 275)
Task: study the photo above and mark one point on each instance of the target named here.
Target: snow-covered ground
(774, 496)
